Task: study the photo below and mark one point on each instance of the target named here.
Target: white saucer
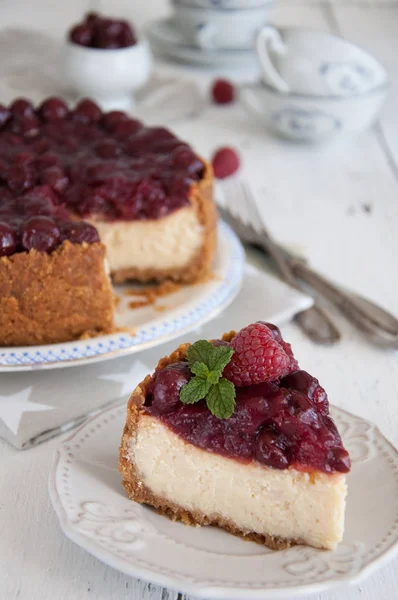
(94, 512)
(167, 40)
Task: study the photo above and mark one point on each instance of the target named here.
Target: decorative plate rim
(106, 347)
(220, 592)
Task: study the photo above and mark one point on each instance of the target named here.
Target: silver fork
(315, 323)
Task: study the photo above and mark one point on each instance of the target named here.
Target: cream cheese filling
(170, 242)
(286, 503)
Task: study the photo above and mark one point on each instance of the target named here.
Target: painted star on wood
(14, 406)
(130, 379)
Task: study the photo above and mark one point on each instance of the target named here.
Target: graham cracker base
(137, 490)
(201, 199)
(56, 297)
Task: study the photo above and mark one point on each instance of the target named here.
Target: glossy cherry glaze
(62, 164)
(278, 424)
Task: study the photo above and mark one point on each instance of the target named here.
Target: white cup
(110, 77)
(312, 119)
(315, 63)
(211, 28)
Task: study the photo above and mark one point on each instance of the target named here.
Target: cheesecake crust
(56, 297)
(137, 490)
(201, 199)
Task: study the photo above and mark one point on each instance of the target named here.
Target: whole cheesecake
(232, 433)
(78, 186)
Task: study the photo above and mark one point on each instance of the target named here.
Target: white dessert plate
(94, 511)
(166, 39)
(181, 312)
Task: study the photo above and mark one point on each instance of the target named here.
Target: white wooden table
(317, 198)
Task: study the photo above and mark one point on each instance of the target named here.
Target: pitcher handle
(269, 40)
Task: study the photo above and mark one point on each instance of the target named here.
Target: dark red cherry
(49, 159)
(53, 109)
(21, 177)
(167, 385)
(22, 109)
(55, 177)
(108, 148)
(29, 128)
(269, 450)
(21, 158)
(40, 233)
(303, 382)
(8, 241)
(40, 201)
(82, 35)
(79, 232)
(87, 111)
(276, 332)
(182, 157)
(40, 145)
(112, 118)
(124, 129)
(3, 171)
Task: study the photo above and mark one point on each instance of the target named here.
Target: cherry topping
(21, 158)
(112, 118)
(306, 384)
(87, 111)
(22, 109)
(79, 232)
(55, 177)
(123, 129)
(53, 161)
(40, 233)
(53, 109)
(108, 148)
(269, 450)
(276, 423)
(8, 242)
(21, 177)
(167, 385)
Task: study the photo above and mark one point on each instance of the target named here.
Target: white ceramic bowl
(313, 118)
(110, 77)
(213, 28)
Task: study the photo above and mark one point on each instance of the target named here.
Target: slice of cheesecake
(245, 442)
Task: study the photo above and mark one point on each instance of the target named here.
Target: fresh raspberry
(223, 91)
(258, 357)
(294, 366)
(225, 162)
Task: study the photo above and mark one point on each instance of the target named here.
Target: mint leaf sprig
(207, 363)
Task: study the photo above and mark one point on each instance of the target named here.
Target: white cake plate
(94, 512)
